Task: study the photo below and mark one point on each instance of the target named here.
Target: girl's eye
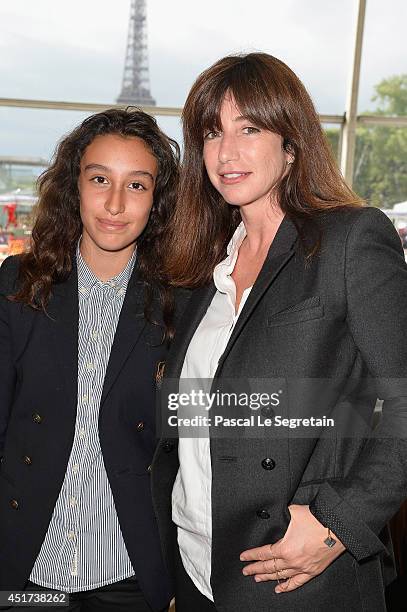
(211, 135)
(100, 180)
(137, 186)
(250, 130)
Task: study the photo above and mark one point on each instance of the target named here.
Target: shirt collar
(222, 272)
(87, 279)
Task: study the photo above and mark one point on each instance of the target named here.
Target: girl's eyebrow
(107, 169)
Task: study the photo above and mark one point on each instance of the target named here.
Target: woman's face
(116, 185)
(243, 161)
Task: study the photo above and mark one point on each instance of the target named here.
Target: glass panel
(75, 50)
(384, 47)
(333, 132)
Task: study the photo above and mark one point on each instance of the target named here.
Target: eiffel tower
(136, 84)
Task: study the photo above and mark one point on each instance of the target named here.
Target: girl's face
(116, 186)
(243, 161)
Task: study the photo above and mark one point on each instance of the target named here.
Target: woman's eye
(211, 135)
(137, 186)
(100, 180)
(250, 130)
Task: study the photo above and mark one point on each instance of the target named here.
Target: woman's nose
(228, 150)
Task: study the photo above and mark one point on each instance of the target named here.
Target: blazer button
(263, 514)
(150, 467)
(140, 426)
(37, 418)
(268, 464)
(14, 504)
(168, 446)
(27, 460)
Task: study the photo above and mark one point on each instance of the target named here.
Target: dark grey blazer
(341, 316)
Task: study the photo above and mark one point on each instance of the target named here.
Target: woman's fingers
(261, 553)
(280, 576)
(292, 583)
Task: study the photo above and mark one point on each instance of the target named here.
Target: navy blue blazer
(38, 398)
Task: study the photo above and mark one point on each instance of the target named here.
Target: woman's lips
(111, 226)
(231, 178)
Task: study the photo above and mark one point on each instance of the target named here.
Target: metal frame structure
(348, 122)
(136, 83)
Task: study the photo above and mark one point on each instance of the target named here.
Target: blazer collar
(280, 252)
(63, 313)
(129, 329)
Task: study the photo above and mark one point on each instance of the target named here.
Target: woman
(302, 290)
(85, 318)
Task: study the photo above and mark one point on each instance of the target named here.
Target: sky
(74, 50)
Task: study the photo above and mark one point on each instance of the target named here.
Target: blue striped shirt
(84, 548)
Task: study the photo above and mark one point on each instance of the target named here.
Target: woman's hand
(295, 559)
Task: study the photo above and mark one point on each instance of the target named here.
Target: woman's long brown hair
(269, 94)
(58, 225)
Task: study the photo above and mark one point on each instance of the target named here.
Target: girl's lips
(231, 178)
(111, 226)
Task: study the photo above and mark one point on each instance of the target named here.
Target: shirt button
(72, 501)
(89, 366)
(75, 468)
(71, 535)
(95, 335)
(82, 432)
(85, 399)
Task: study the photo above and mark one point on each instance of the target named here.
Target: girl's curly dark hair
(58, 225)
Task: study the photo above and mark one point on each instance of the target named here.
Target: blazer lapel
(129, 328)
(280, 252)
(63, 317)
(193, 314)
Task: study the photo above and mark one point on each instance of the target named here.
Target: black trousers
(187, 596)
(123, 596)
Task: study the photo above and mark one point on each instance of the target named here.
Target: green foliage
(380, 170)
(391, 94)
(380, 173)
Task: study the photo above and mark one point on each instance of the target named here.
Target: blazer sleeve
(358, 507)
(8, 274)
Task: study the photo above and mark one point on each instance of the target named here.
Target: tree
(380, 172)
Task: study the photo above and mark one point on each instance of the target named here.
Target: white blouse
(191, 495)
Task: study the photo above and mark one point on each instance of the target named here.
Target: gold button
(14, 504)
(27, 460)
(37, 418)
